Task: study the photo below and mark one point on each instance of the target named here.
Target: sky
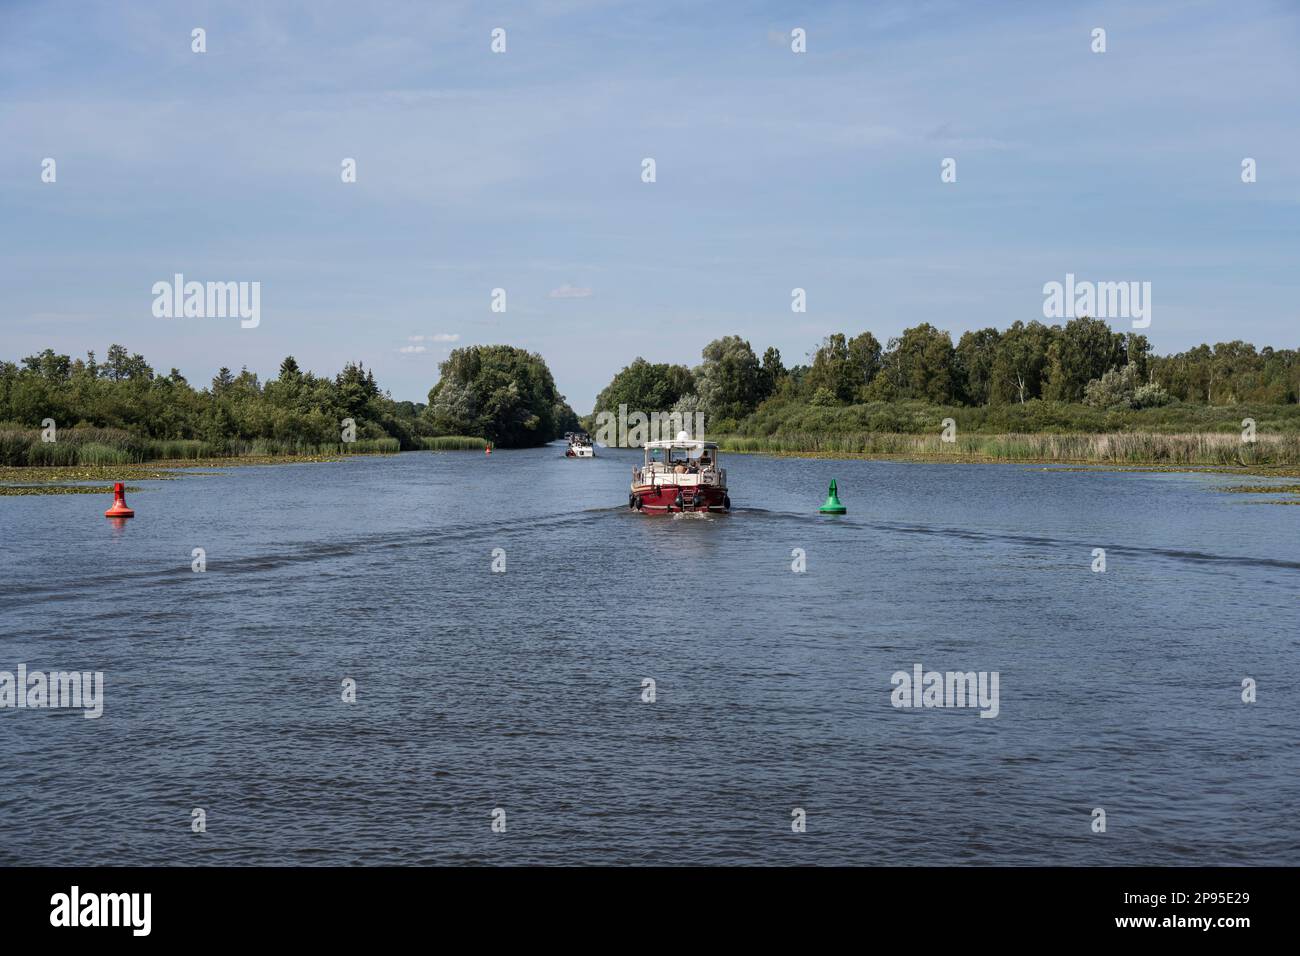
(522, 171)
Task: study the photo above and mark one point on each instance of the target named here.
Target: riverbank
(1202, 449)
(83, 479)
(1275, 457)
(77, 479)
(27, 448)
(1269, 458)
(26, 458)
(1279, 473)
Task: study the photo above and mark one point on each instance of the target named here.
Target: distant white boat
(580, 445)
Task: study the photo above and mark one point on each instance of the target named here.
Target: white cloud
(412, 349)
(436, 337)
(567, 291)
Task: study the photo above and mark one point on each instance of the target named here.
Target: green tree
(644, 387)
(289, 370)
(844, 367)
(356, 388)
(115, 363)
(49, 366)
(1019, 363)
(221, 382)
(500, 393)
(920, 363)
(829, 379)
(864, 363)
(976, 352)
(730, 382)
(773, 370)
(1085, 349)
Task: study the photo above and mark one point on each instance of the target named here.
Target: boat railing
(650, 475)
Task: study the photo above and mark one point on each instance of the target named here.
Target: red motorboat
(680, 475)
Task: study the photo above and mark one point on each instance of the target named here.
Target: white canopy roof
(683, 440)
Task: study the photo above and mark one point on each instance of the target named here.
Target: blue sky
(522, 171)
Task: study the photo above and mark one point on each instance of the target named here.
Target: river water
(477, 690)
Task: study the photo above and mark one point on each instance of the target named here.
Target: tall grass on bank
(451, 443)
(1150, 448)
(267, 447)
(109, 446)
(184, 449)
(75, 446)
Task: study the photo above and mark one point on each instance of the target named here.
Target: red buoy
(487, 450)
(119, 509)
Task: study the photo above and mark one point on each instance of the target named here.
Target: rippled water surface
(522, 690)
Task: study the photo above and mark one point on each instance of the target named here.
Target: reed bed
(451, 443)
(181, 449)
(74, 446)
(1135, 448)
(108, 446)
(271, 447)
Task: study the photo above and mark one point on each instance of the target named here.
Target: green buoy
(833, 506)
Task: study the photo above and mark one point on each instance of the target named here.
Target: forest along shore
(1077, 394)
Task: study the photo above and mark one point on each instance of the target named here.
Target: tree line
(502, 394)
(507, 396)
(1082, 362)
